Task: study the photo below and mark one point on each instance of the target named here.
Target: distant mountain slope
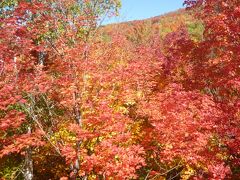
(141, 31)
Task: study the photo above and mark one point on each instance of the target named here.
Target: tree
(41, 56)
(76, 105)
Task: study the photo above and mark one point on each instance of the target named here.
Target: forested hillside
(152, 99)
(143, 31)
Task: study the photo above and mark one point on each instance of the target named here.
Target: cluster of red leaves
(17, 144)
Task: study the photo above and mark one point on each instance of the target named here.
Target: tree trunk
(41, 58)
(28, 167)
(78, 120)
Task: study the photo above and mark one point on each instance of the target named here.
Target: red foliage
(121, 109)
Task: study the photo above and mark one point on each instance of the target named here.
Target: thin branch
(147, 174)
(34, 118)
(165, 173)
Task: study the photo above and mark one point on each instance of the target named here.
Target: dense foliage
(154, 99)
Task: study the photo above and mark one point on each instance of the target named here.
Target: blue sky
(142, 9)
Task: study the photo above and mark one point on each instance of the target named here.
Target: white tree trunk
(28, 166)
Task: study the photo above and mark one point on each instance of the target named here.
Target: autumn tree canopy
(154, 99)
